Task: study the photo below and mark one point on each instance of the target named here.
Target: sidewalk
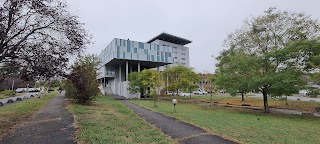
(4, 101)
(53, 124)
(176, 129)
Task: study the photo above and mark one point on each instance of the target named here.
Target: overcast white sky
(205, 22)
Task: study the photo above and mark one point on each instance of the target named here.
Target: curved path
(176, 129)
(53, 124)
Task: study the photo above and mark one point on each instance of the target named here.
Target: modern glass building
(122, 57)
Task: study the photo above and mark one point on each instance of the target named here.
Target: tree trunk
(177, 94)
(265, 102)
(286, 100)
(242, 96)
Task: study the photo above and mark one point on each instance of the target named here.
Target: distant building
(122, 57)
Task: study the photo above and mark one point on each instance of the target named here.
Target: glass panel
(118, 52)
(141, 45)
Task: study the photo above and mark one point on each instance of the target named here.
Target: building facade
(121, 57)
(180, 51)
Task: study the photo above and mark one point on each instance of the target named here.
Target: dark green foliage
(314, 92)
(81, 84)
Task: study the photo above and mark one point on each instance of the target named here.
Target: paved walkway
(51, 125)
(176, 129)
(4, 101)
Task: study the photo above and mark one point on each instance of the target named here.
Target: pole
(12, 84)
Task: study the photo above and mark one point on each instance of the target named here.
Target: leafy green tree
(234, 70)
(135, 83)
(81, 84)
(211, 86)
(146, 81)
(150, 79)
(180, 78)
(268, 40)
(190, 81)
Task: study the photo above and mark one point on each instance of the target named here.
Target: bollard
(174, 101)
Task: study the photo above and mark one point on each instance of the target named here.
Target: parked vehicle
(169, 93)
(200, 92)
(184, 94)
(19, 90)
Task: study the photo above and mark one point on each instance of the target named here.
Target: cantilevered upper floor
(120, 50)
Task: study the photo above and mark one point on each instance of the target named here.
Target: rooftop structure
(170, 38)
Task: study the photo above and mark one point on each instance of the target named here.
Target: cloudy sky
(205, 22)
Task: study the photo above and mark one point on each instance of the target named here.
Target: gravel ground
(51, 125)
(176, 129)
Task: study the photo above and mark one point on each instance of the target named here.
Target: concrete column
(119, 83)
(127, 70)
(138, 66)
(119, 73)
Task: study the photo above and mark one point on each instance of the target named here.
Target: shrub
(8, 93)
(314, 92)
(81, 84)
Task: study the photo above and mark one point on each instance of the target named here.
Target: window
(183, 53)
(135, 50)
(183, 58)
(141, 45)
(118, 52)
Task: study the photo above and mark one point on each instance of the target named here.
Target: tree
(190, 81)
(135, 83)
(268, 40)
(39, 36)
(234, 70)
(146, 80)
(180, 78)
(211, 86)
(81, 84)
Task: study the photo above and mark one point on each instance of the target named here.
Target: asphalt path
(51, 125)
(4, 101)
(176, 129)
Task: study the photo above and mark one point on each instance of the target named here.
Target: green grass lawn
(16, 113)
(256, 102)
(109, 121)
(246, 126)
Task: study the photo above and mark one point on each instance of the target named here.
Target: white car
(168, 93)
(184, 94)
(19, 90)
(200, 92)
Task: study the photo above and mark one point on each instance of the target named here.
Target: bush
(81, 84)
(314, 92)
(8, 93)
